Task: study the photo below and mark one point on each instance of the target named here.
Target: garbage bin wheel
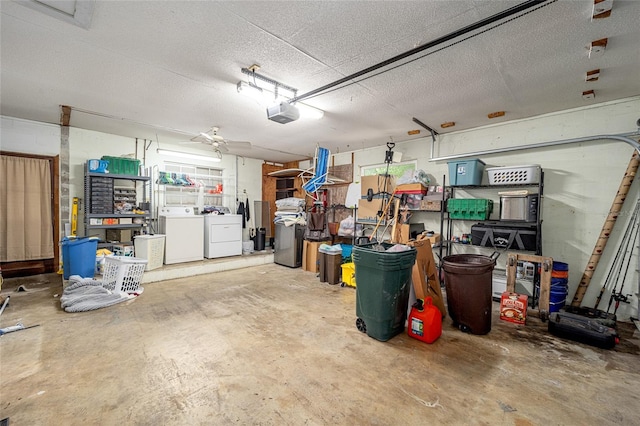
(360, 324)
(342, 284)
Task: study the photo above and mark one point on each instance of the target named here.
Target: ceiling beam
(65, 115)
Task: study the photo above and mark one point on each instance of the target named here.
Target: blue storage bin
(98, 166)
(466, 172)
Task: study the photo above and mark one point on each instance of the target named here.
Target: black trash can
(468, 279)
(259, 239)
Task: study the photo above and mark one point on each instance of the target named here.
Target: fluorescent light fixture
(307, 111)
(250, 90)
(270, 93)
(168, 153)
(284, 92)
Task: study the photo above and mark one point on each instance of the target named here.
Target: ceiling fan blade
(206, 136)
(240, 144)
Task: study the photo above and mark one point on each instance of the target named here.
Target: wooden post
(546, 265)
(601, 243)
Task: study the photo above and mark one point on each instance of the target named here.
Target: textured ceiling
(154, 66)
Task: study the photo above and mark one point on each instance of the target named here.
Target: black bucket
(258, 240)
(468, 279)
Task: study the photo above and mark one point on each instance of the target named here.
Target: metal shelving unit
(100, 198)
(447, 242)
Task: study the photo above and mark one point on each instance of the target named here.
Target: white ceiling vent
(72, 11)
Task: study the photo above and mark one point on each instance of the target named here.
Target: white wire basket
(123, 274)
(513, 175)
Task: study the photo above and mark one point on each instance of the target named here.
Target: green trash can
(382, 293)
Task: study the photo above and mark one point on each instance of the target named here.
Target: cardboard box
(433, 238)
(368, 211)
(405, 230)
(432, 206)
(123, 250)
(109, 221)
(513, 307)
(126, 221)
(411, 188)
(119, 235)
(310, 258)
(94, 221)
(376, 184)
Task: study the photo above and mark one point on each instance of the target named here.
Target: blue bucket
(557, 298)
(559, 282)
(79, 257)
(560, 266)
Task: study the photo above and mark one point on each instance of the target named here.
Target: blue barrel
(559, 282)
(560, 266)
(557, 298)
(79, 257)
(559, 286)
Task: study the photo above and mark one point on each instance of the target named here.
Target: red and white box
(513, 307)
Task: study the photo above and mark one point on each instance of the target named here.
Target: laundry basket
(123, 273)
(513, 175)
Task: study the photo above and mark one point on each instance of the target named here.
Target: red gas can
(425, 323)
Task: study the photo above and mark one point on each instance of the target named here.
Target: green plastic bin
(122, 166)
(469, 208)
(382, 293)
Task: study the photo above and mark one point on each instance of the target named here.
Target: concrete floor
(269, 345)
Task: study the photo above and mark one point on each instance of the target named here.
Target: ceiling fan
(218, 142)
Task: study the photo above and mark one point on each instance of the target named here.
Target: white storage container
(514, 175)
(151, 248)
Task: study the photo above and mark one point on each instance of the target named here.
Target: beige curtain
(26, 228)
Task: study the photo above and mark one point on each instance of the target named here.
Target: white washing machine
(222, 235)
(184, 232)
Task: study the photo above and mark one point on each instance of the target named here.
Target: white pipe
(622, 138)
